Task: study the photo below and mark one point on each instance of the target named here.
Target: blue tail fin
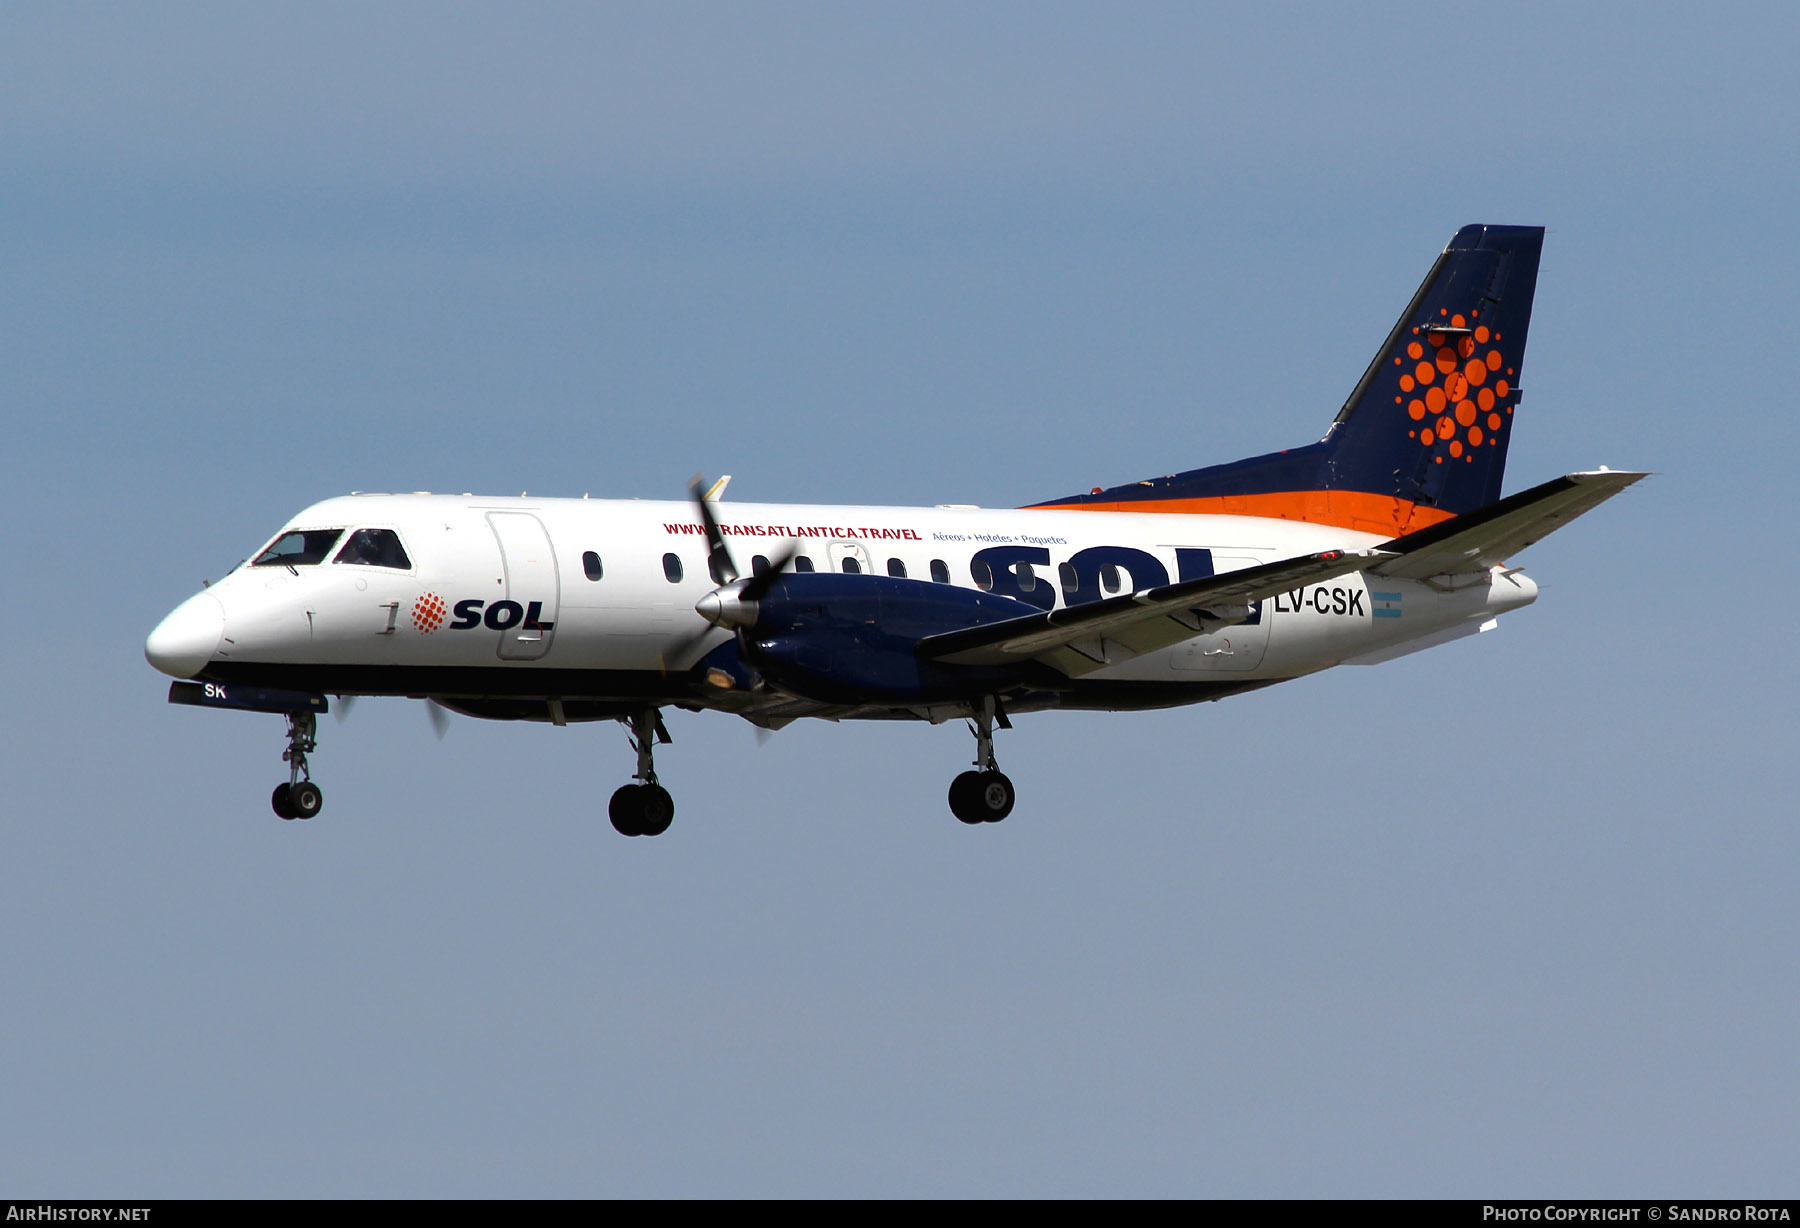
(1423, 435)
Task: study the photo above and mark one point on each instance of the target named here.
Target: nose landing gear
(986, 794)
(299, 798)
(645, 808)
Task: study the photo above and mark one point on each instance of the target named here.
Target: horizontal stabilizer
(1490, 535)
(1082, 638)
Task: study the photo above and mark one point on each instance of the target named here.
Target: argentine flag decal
(1384, 605)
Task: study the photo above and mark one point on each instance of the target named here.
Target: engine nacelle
(853, 639)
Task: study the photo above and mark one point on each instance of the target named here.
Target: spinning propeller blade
(718, 561)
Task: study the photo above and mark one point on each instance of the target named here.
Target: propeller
(733, 605)
(440, 715)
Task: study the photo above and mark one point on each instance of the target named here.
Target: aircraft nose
(185, 641)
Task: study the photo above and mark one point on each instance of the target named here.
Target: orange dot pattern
(428, 613)
(1461, 394)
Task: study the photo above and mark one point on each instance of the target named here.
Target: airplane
(1386, 536)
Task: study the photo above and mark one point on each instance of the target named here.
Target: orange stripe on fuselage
(1387, 515)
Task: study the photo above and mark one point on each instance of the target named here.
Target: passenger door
(526, 619)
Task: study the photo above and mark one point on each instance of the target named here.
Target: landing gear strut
(299, 798)
(645, 808)
(984, 795)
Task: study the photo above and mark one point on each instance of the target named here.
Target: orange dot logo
(428, 613)
(1465, 409)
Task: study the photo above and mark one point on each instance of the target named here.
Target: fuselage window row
(1112, 580)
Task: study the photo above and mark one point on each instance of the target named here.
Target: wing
(1482, 538)
(1080, 639)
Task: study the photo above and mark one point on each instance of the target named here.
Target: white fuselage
(558, 598)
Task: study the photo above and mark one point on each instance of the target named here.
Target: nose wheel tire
(981, 797)
(279, 801)
(641, 810)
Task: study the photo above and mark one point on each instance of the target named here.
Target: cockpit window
(300, 548)
(375, 548)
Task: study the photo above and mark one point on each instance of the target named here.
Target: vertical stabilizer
(1423, 435)
(1430, 420)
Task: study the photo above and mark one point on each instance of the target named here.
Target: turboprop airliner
(1386, 536)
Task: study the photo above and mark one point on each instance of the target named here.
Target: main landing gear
(299, 798)
(645, 808)
(986, 794)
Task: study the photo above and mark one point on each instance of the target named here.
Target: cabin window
(759, 564)
(940, 571)
(1071, 583)
(851, 566)
(715, 566)
(1109, 578)
(590, 565)
(1027, 577)
(672, 567)
(897, 569)
(802, 563)
(300, 548)
(982, 574)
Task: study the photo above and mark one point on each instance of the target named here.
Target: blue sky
(1515, 916)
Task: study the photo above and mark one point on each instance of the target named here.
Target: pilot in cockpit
(375, 548)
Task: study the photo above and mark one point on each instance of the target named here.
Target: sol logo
(428, 613)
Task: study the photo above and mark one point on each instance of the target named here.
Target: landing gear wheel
(984, 795)
(299, 798)
(644, 808)
(656, 810)
(623, 810)
(963, 802)
(995, 795)
(641, 810)
(981, 797)
(305, 799)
